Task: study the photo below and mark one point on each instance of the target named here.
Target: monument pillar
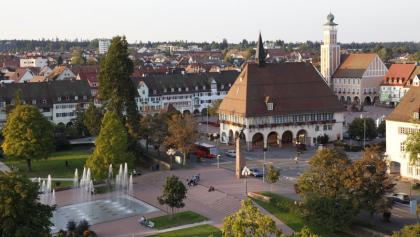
(240, 160)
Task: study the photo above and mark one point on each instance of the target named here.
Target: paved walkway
(166, 230)
(4, 167)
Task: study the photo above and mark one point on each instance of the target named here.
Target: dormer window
(196, 88)
(416, 115)
(44, 101)
(172, 89)
(34, 102)
(270, 106)
(76, 97)
(84, 97)
(154, 92)
(165, 90)
(179, 89)
(59, 98)
(186, 88)
(204, 87)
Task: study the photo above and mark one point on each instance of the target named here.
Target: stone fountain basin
(100, 211)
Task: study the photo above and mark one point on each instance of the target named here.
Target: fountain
(76, 179)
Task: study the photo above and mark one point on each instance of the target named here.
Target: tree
(322, 139)
(77, 57)
(174, 193)
(249, 222)
(272, 176)
(412, 146)
(27, 135)
(111, 147)
(115, 85)
(182, 133)
(224, 45)
(326, 199)
(21, 214)
(382, 128)
(92, 119)
(360, 127)
(369, 180)
(408, 231)
(214, 107)
(306, 232)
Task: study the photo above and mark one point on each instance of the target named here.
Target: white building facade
(104, 45)
(34, 62)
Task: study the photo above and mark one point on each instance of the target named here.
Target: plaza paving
(215, 205)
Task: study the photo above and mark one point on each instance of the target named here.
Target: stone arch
(273, 139)
(258, 140)
(368, 100)
(356, 100)
(302, 136)
(196, 112)
(348, 99)
(287, 137)
(204, 112)
(343, 99)
(395, 167)
(186, 112)
(231, 139)
(224, 138)
(236, 134)
(375, 99)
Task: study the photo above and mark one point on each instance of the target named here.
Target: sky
(208, 20)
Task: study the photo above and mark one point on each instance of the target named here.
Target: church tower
(330, 50)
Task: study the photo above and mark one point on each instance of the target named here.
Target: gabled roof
(57, 71)
(18, 74)
(409, 103)
(398, 74)
(292, 87)
(413, 75)
(354, 65)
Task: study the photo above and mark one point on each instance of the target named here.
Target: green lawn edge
(178, 219)
(293, 220)
(197, 231)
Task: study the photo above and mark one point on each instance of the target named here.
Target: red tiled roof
(293, 87)
(398, 74)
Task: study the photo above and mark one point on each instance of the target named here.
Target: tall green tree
(174, 193)
(360, 127)
(111, 147)
(27, 135)
(249, 222)
(272, 176)
(115, 85)
(412, 146)
(77, 57)
(92, 119)
(21, 213)
(182, 133)
(369, 181)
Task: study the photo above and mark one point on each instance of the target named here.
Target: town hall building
(274, 105)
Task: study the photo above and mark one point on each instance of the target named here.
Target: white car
(231, 153)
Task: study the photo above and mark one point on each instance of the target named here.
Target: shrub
(82, 227)
(71, 226)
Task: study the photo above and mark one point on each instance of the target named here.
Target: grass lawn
(54, 165)
(198, 231)
(178, 219)
(292, 219)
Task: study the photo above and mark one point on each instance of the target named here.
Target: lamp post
(264, 150)
(171, 152)
(246, 172)
(218, 157)
(364, 131)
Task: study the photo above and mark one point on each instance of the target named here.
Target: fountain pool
(99, 211)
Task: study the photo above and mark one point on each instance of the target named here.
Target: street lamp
(264, 150)
(218, 157)
(364, 131)
(246, 172)
(171, 152)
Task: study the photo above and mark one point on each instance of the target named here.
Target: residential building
(34, 62)
(104, 45)
(399, 124)
(394, 85)
(56, 100)
(60, 73)
(187, 93)
(20, 75)
(279, 104)
(354, 78)
(358, 78)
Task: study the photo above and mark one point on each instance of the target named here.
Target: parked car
(256, 172)
(401, 198)
(231, 153)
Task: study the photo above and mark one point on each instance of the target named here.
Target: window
(44, 101)
(59, 98)
(85, 97)
(317, 128)
(402, 146)
(34, 102)
(270, 106)
(172, 89)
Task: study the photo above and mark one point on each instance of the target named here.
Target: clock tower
(330, 50)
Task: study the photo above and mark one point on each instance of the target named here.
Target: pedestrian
(67, 163)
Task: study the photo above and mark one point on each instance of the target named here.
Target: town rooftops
(195, 82)
(354, 65)
(292, 87)
(48, 91)
(398, 74)
(409, 104)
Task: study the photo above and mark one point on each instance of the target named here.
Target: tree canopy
(174, 193)
(92, 119)
(361, 126)
(249, 222)
(27, 134)
(413, 146)
(408, 231)
(111, 147)
(21, 214)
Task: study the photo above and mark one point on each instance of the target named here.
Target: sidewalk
(154, 232)
(4, 168)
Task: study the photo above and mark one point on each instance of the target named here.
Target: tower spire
(260, 52)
